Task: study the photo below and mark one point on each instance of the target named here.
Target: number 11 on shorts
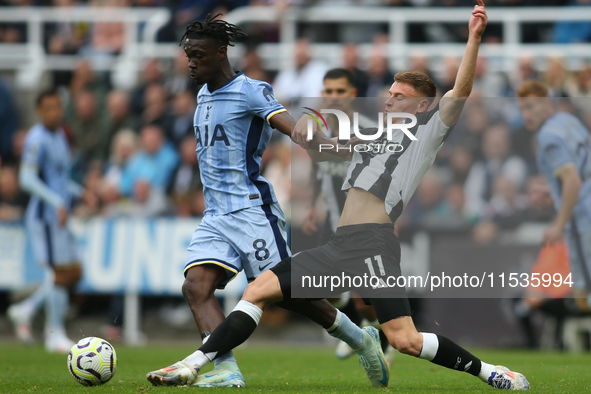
(372, 272)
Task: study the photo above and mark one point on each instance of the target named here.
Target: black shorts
(359, 258)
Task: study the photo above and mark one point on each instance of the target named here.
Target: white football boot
(504, 379)
(177, 374)
(225, 374)
(57, 342)
(22, 324)
(372, 358)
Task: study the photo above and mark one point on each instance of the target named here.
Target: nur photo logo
(386, 124)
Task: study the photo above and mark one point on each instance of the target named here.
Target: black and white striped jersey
(332, 175)
(393, 175)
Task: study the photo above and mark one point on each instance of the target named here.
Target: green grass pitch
(290, 370)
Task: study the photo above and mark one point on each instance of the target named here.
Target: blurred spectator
(148, 173)
(250, 64)
(106, 38)
(460, 162)
(525, 70)
(448, 76)
(468, 131)
(180, 80)
(123, 147)
(156, 108)
(302, 80)
(8, 122)
(13, 201)
(87, 129)
(497, 160)
(429, 208)
(83, 79)
(190, 10)
(92, 183)
(65, 37)
(555, 77)
(506, 201)
(183, 109)
(186, 188)
(351, 63)
(118, 117)
(455, 201)
(151, 74)
(508, 209)
(489, 83)
(18, 145)
(420, 63)
(568, 32)
(378, 71)
(580, 86)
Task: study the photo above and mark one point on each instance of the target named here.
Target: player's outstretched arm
(331, 149)
(452, 103)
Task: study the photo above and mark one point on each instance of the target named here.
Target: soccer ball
(92, 361)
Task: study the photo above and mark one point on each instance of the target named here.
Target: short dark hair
(51, 92)
(421, 82)
(220, 31)
(337, 73)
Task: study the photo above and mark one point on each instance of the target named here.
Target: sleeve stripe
(273, 114)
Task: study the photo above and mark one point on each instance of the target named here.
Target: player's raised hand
(478, 20)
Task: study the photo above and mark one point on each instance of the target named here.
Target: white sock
(485, 371)
(56, 303)
(250, 309)
(198, 359)
(430, 346)
(31, 304)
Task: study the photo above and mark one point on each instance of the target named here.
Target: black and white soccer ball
(92, 361)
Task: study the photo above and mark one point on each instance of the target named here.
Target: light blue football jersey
(50, 153)
(564, 139)
(232, 131)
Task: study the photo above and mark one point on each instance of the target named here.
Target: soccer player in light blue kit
(243, 227)
(563, 155)
(45, 174)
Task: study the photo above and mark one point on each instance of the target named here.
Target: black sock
(451, 355)
(233, 331)
(384, 340)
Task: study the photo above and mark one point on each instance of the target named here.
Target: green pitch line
(289, 370)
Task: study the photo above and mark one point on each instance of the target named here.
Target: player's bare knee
(256, 294)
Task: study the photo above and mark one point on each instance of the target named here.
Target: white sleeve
(31, 183)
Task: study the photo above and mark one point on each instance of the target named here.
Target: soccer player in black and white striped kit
(379, 186)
